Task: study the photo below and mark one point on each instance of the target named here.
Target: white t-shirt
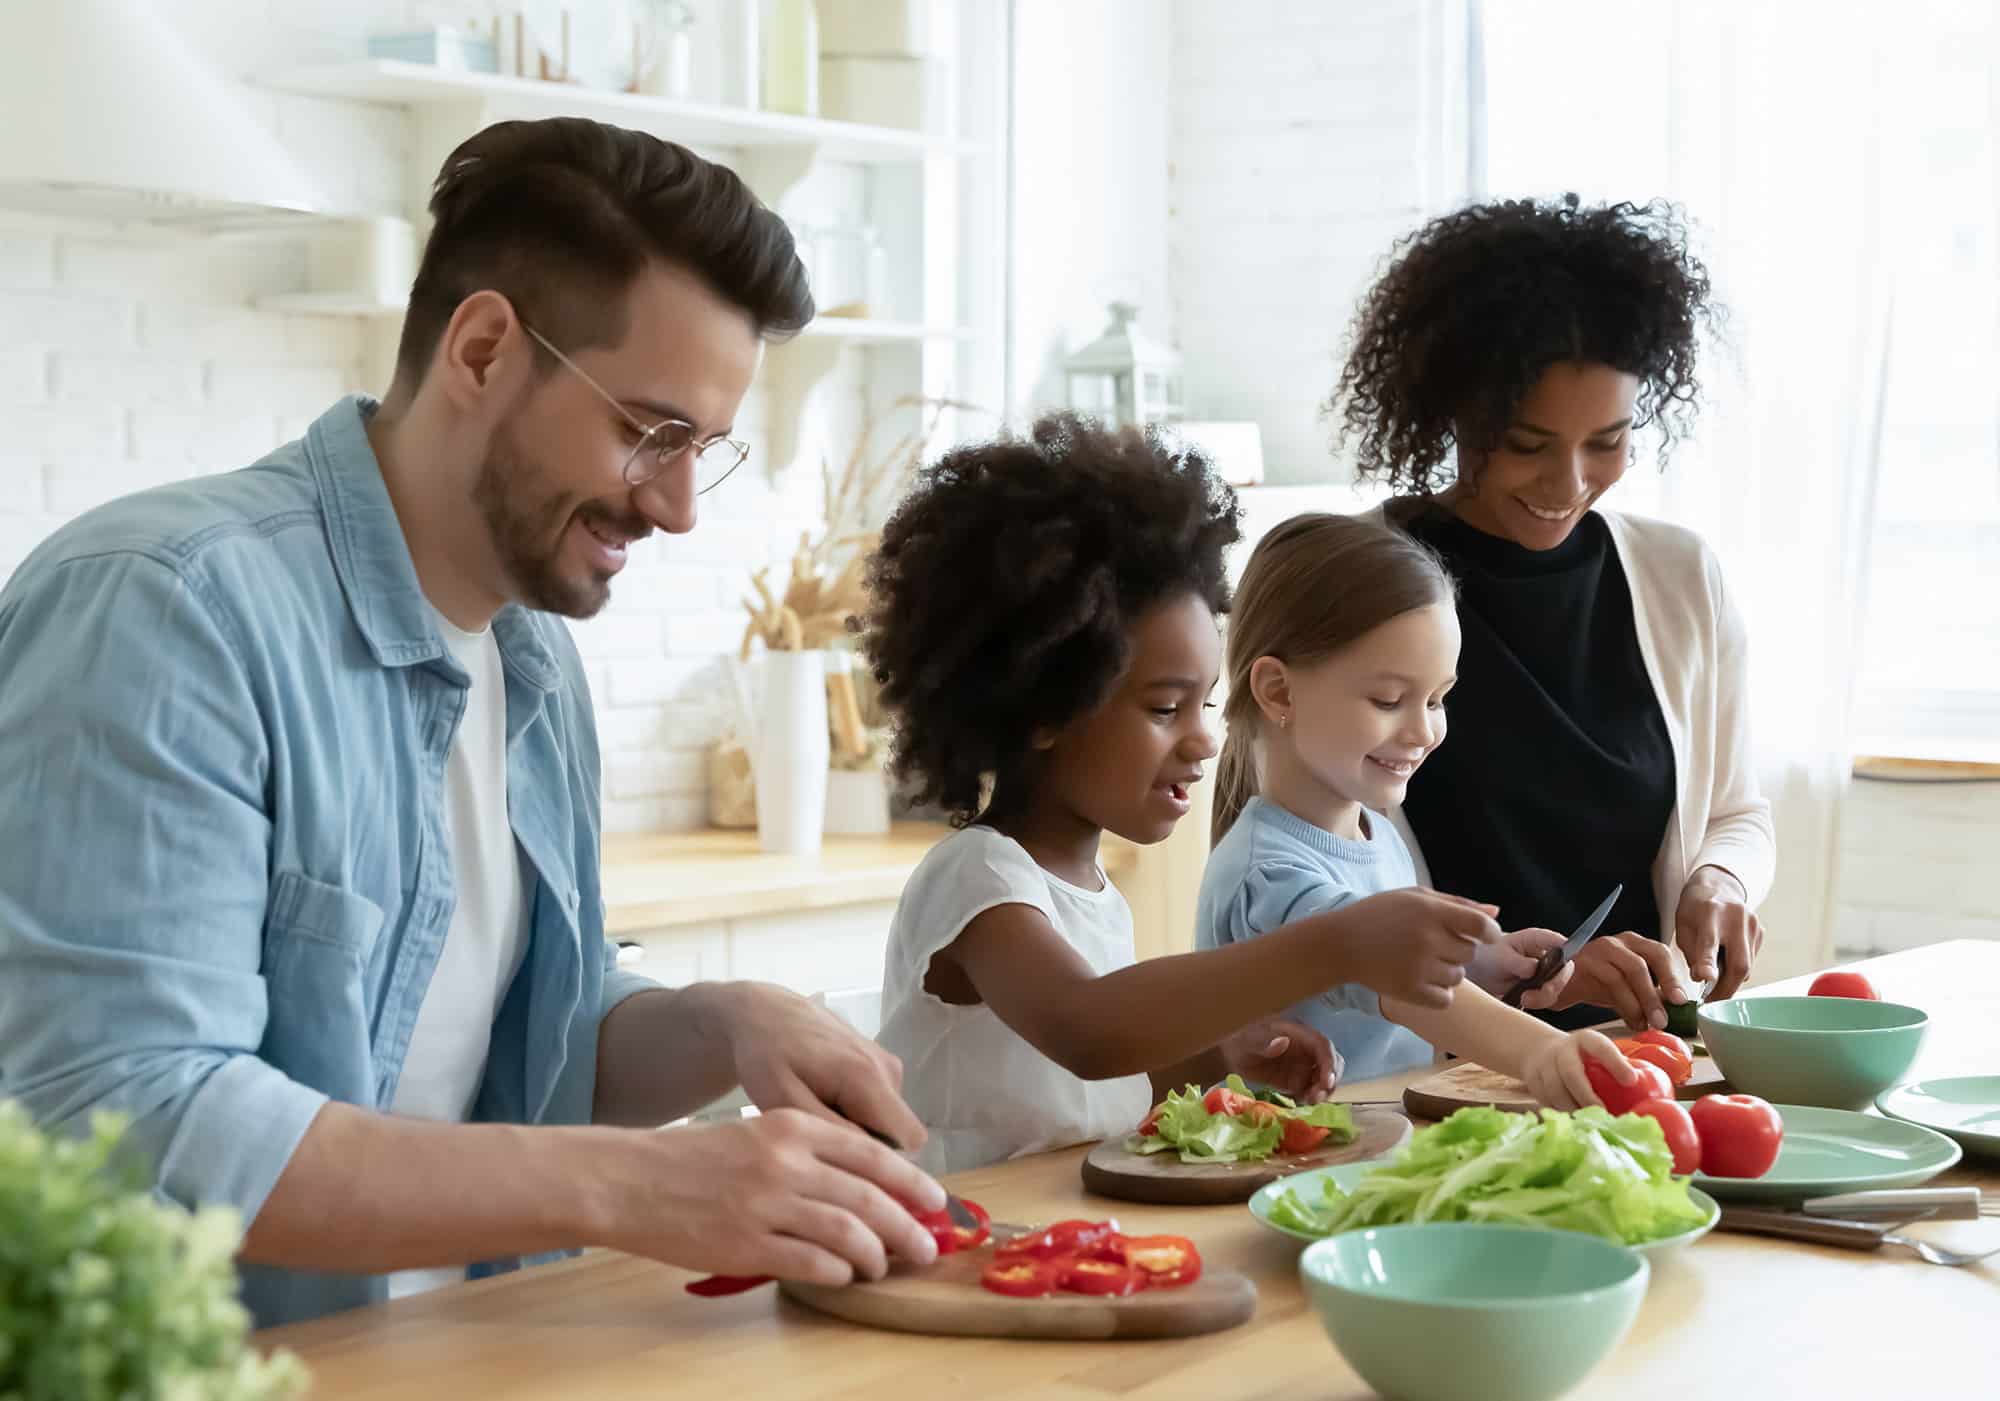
(446, 1060)
(983, 1092)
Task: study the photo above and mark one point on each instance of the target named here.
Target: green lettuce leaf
(1186, 1127)
(1584, 1171)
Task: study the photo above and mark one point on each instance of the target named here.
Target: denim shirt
(224, 875)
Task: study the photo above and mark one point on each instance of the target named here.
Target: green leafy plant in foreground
(109, 1294)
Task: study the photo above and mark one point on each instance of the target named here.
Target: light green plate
(1345, 1175)
(1967, 1107)
(1826, 1151)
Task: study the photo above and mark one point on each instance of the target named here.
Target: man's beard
(529, 525)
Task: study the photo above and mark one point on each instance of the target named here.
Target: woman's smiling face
(1567, 443)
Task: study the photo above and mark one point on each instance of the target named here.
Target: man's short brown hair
(561, 215)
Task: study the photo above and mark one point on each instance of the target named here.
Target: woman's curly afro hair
(1477, 304)
(1007, 583)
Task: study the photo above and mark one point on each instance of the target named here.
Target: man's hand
(784, 1193)
(790, 1053)
(1289, 1056)
(1713, 919)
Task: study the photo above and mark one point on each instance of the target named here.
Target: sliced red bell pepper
(1165, 1261)
(715, 1286)
(1022, 1277)
(1102, 1277)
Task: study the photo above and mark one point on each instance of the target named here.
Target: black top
(1556, 777)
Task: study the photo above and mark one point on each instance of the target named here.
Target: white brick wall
(1302, 143)
(131, 361)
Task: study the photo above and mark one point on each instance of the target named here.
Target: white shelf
(861, 331)
(852, 330)
(393, 81)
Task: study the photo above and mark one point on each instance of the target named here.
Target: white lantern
(1124, 377)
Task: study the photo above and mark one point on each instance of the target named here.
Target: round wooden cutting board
(1111, 1171)
(946, 1297)
(1467, 1083)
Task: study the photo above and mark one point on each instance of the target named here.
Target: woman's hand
(1289, 1056)
(1631, 974)
(1714, 918)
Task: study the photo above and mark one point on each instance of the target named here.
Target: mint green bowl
(1447, 1311)
(1834, 1052)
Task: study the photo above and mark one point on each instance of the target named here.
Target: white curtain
(1767, 121)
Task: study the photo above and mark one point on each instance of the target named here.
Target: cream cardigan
(1693, 642)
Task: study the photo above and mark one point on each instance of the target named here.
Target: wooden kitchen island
(1732, 1316)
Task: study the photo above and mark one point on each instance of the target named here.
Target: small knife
(1900, 1204)
(1552, 960)
(960, 1214)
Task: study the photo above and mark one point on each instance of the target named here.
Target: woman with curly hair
(1498, 374)
(1043, 627)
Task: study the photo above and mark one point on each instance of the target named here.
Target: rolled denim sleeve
(134, 871)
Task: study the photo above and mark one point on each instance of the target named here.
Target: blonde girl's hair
(1313, 585)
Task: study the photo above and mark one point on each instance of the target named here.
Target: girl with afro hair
(1498, 374)
(1043, 628)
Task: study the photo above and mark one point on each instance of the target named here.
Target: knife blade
(1552, 960)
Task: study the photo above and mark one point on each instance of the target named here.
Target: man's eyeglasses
(659, 445)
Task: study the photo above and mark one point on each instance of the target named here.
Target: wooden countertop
(654, 880)
(1732, 1316)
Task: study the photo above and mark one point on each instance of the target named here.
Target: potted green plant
(107, 1293)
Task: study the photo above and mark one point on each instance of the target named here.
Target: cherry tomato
(1677, 1066)
(1678, 1125)
(1223, 1100)
(1022, 1278)
(1150, 1125)
(1619, 1099)
(1740, 1135)
(1165, 1261)
(1843, 985)
(1102, 1277)
(1301, 1137)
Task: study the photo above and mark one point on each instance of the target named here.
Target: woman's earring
(1284, 721)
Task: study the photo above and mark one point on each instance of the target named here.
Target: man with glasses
(299, 869)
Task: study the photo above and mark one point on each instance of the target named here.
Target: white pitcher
(792, 753)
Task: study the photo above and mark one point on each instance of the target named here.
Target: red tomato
(1619, 1099)
(1677, 1066)
(1843, 985)
(1223, 1100)
(1165, 1261)
(1065, 1238)
(1102, 1277)
(1740, 1135)
(1649, 1037)
(1678, 1125)
(1151, 1123)
(1021, 1278)
(1301, 1137)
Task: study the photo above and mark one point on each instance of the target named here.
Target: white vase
(857, 803)
(792, 753)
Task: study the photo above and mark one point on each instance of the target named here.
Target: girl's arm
(1164, 1011)
(1483, 1029)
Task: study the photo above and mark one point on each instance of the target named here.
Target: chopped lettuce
(1185, 1126)
(1585, 1171)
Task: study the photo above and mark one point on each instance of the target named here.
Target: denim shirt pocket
(317, 942)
